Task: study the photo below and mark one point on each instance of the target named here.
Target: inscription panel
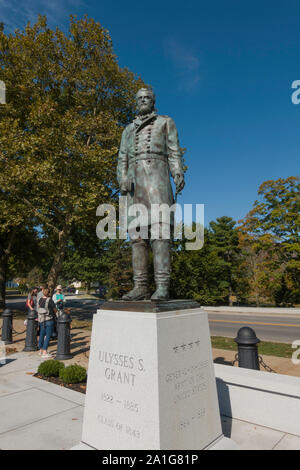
(122, 393)
(190, 410)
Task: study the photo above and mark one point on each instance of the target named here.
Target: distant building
(77, 284)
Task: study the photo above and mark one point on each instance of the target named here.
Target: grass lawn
(264, 347)
(83, 324)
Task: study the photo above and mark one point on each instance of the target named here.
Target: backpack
(44, 311)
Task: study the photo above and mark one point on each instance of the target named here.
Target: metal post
(63, 337)
(7, 318)
(31, 332)
(247, 348)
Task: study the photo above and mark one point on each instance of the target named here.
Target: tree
(225, 244)
(68, 100)
(85, 257)
(12, 232)
(119, 268)
(196, 274)
(270, 232)
(206, 275)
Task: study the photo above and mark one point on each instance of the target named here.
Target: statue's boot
(162, 268)
(140, 258)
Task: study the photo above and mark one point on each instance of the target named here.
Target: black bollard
(7, 317)
(31, 332)
(247, 348)
(63, 337)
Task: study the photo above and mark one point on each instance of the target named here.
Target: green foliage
(269, 235)
(67, 102)
(23, 288)
(211, 274)
(85, 257)
(35, 277)
(277, 213)
(119, 266)
(51, 368)
(73, 374)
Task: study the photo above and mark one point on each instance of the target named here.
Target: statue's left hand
(179, 181)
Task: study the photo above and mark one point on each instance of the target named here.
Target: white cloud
(16, 13)
(185, 62)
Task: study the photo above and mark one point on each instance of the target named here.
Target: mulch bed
(9, 350)
(81, 387)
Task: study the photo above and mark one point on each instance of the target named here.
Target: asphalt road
(82, 308)
(281, 328)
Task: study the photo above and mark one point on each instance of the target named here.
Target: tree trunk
(63, 237)
(3, 269)
(230, 296)
(88, 287)
(5, 252)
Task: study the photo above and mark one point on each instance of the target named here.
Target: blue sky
(223, 70)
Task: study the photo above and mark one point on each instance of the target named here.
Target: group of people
(48, 309)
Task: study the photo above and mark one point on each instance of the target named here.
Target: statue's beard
(144, 110)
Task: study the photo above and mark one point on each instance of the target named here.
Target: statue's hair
(149, 90)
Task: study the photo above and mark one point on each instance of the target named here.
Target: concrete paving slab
(25, 407)
(250, 436)
(20, 362)
(82, 446)
(18, 381)
(59, 391)
(8, 386)
(58, 432)
(288, 442)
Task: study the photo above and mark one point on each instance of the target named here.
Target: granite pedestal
(151, 382)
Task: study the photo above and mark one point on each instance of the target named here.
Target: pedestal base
(150, 306)
(151, 382)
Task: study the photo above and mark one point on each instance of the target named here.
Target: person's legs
(42, 335)
(49, 330)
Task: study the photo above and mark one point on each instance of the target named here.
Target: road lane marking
(254, 323)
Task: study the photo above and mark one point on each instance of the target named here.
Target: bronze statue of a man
(149, 153)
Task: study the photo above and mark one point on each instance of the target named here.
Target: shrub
(73, 374)
(50, 368)
(23, 289)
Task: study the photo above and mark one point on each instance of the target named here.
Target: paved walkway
(36, 414)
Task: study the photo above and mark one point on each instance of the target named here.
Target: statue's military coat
(149, 153)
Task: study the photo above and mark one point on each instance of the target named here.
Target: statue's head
(145, 101)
